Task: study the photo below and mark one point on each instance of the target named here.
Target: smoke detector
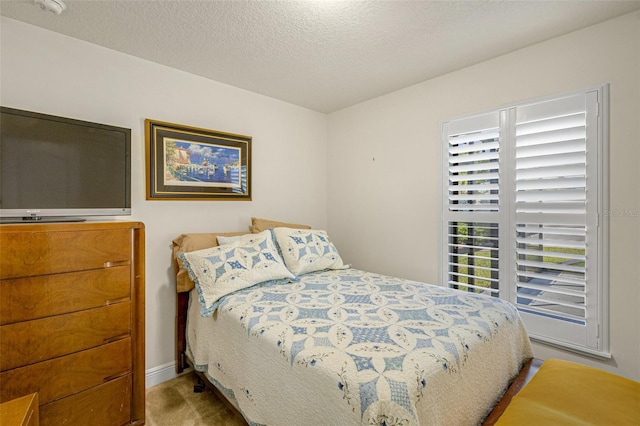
(55, 6)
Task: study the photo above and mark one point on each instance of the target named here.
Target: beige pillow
(192, 242)
(258, 225)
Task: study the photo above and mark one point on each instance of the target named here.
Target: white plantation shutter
(523, 198)
(556, 219)
(472, 203)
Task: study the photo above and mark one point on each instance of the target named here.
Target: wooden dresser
(21, 411)
(72, 320)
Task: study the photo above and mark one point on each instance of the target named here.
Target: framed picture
(188, 163)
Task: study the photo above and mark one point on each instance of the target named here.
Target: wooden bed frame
(528, 370)
(182, 303)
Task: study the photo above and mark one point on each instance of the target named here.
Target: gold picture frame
(190, 163)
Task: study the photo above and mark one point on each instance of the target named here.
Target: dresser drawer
(23, 299)
(105, 405)
(25, 343)
(26, 254)
(67, 375)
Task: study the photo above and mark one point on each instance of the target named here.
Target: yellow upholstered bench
(567, 393)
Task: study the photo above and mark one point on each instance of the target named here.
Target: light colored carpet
(173, 403)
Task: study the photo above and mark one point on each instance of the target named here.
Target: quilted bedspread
(348, 347)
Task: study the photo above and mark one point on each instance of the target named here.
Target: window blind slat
(552, 242)
(466, 246)
(550, 136)
(478, 146)
(550, 313)
(567, 170)
(556, 279)
(553, 266)
(474, 187)
(544, 184)
(577, 207)
(576, 145)
(560, 255)
(544, 288)
(474, 266)
(478, 289)
(560, 122)
(479, 167)
(475, 197)
(489, 134)
(473, 208)
(552, 195)
(577, 229)
(547, 301)
(474, 157)
(453, 256)
(566, 159)
(477, 177)
(479, 238)
(458, 274)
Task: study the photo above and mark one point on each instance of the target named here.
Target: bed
(328, 344)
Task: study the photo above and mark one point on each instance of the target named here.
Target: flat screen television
(61, 169)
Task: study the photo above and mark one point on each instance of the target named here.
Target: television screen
(60, 167)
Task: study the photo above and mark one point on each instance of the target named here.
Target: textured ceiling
(323, 55)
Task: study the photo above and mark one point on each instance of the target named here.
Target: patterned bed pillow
(221, 270)
(192, 242)
(307, 250)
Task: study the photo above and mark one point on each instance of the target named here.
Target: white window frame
(596, 339)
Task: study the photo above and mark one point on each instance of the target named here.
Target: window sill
(571, 348)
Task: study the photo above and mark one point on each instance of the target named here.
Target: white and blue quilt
(347, 347)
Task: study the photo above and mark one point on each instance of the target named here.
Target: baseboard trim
(162, 373)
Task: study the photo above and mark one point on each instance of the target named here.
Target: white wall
(51, 73)
(384, 185)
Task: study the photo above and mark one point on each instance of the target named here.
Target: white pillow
(307, 250)
(226, 240)
(221, 270)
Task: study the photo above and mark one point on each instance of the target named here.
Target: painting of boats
(207, 164)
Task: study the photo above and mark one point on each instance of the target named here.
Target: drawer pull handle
(115, 338)
(115, 376)
(115, 263)
(114, 301)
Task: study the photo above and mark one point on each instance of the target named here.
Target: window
(523, 203)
